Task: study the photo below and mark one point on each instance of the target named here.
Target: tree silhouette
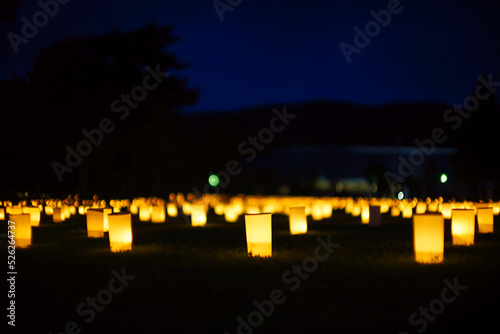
(71, 88)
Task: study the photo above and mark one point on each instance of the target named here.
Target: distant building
(348, 170)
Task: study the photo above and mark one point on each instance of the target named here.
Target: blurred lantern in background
(22, 231)
(446, 210)
(258, 229)
(95, 223)
(120, 232)
(158, 214)
(462, 226)
(144, 213)
(365, 213)
(298, 220)
(485, 220)
(57, 215)
(198, 215)
(172, 209)
(428, 238)
(420, 208)
(34, 213)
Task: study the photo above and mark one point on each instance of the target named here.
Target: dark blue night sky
(283, 51)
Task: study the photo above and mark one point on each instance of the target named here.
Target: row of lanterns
(428, 220)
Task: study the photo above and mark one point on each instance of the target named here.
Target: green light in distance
(213, 180)
(444, 178)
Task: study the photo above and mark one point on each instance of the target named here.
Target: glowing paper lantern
(258, 228)
(496, 208)
(407, 210)
(420, 208)
(172, 210)
(395, 211)
(428, 238)
(158, 214)
(134, 209)
(186, 208)
(327, 210)
(2, 213)
(95, 223)
(374, 217)
(198, 215)
(365, 213)
(120, 232)
(384, 207)
(144, 213)
(65, 212)
(485, 220)
(462, 226)
(433, 206)
(34, 213)
(446, 210)
(231, 214)
(356, 210)
(57, 215)
(22, 229)
(298, 220)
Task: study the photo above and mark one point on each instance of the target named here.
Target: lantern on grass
(231, 214)
(172, 209)
(34, 213)
(407, 210)
(374, 217)
(327, 210)
(420, 208)
(95, 223)
(365, 213)
(65, 212)
(57, 215)
(22, 231)
(298, 220)
(144, 213)
(446, 210)
(496, 208)
(198, 215)
(120, 231)
(485, 220)
(462, 226)
(158, 214)
(106, 212)
(395, 211)
(258, 227)
(428, 238)
(355, 210)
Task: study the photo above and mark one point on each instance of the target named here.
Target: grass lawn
(184, 279)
